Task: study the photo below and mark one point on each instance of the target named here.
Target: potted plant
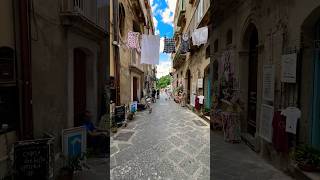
(307, 158)
(73, 164)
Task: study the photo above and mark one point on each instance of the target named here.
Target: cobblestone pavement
(169, 143)
(239, 162)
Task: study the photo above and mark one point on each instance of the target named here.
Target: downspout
(25, 52)
(116, 49)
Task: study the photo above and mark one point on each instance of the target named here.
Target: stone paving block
(189, 165)
(113, 149)
(130, 169)
(176, 141)
(204, 174)
(189, 149)
(112, 162)
(204, 159)
(167, 170)
(163, 148)
(124, 156)
(196, 144)
(177, 156)
(123, 136)
(123, 146)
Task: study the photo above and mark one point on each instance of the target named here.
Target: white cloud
(163, 68)
(168, 13)
(161, 44)
(157, 32)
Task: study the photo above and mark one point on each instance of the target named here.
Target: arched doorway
(80, 85)
(252, 39)
(310, 72)
(188, 76)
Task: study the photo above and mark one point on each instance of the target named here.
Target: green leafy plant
(305, 155)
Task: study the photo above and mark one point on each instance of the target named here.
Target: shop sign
(120, 114)
(34, 159)
(266, 122)
(289, 68)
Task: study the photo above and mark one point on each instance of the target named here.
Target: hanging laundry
(169, 45)
(200, 36)
(133, 40)
(292, 114)
(279, 137)
(150, 48)
(184, 47)
(201, 98)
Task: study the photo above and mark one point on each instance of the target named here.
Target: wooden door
(80, 94)
(135, 89)
(252, 83)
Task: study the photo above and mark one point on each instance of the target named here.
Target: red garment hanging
(280, 136)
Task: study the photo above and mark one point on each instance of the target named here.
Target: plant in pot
(73, 164)
(307, 158)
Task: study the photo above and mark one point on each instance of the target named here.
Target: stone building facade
(53, 68)
(258, 35)
(134, 79)
(193, 66)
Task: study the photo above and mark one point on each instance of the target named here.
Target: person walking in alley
(96, 138)
(154, 95)
(158, 94)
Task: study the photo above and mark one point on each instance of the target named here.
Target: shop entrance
(79, 87)
(252, 81)
(135, 89)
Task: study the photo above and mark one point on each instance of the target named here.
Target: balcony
(180, 13)
(85, 15)
(178, 60)
(200, 17)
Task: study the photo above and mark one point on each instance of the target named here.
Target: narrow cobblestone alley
(239, 162)
(170, 143)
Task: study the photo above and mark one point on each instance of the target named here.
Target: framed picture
(74, 141)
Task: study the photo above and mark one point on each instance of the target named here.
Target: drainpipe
(116, 49)
(26, 127)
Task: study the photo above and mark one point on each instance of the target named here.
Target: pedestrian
(154, 95)
(96, 138)
(158, 94)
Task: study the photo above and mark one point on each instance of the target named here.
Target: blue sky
(163, 13)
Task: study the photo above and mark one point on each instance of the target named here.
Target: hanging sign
(34, 159)
(268, 82)
(289, 68)
(266, 122)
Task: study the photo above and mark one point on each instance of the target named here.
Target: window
(9, 94)
(7, 65)
(216, 46)
(229, 37)
(122, 16)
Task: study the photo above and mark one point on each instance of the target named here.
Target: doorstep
(303, 175)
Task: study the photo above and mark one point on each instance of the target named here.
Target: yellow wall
(6, 21)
